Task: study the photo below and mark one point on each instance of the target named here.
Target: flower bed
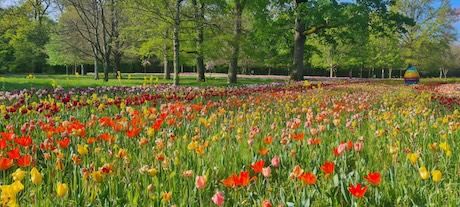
(289, 144)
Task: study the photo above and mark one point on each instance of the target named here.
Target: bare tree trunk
(389, 72)
(167, 72)
(440, 72)
(114, 33)
(199, 18)
(176, 43)
(82, 69)
(445, 71)
(361, 73)
(74, 71)
(383, 73)
(96, 71)
(107, 42)
(66, 69)
(233, 69)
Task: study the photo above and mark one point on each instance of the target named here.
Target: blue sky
(456, 4)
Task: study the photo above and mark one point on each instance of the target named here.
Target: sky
(456, 4)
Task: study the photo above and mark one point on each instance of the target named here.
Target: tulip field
(277, 144)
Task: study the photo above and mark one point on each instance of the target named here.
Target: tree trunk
(299, 39)
(167, 72)
(74, 71)
(116, 64)
(199, 18)
(383, 73)
(361, 73)
(82, 69)
(66, 69)
(233, 69)
(96, 71)
(115, 34)
(445, 71)
(389, 72)
(106, 65)
(440, 72)
(176, 43)
(106, 43)
(331, 70)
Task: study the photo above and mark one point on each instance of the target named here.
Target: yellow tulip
(18, 175)
(8, 195)
(122, 153)
(97, 176)
(444, 146)
(437, 175)
(82, 149)
(424, 173)
(412, 157)
(192, 145)
(62, 189)
(152, 172)
(36, 176)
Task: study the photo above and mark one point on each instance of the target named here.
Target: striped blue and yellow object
(411, 76)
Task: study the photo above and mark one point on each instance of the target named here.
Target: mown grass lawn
(23, 81)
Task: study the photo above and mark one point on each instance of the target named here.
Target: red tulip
(328, 168)
(63, 143)
(5, 163)
(357, 191)
(24, 161)
(24, 141)
(373, 178)
(258, 166)
(14, 154)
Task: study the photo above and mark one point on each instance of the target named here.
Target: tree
(312, 17)
(238, 7)
(168, 15)
(433, 20)
(199, 7)
(97, 25)
(23, 40)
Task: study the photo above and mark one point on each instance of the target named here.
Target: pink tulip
(266, 171)
(358, 146)
(200, 182)
(218, 199)
(250, 142)
(275, 161)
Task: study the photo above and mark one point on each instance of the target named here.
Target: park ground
(9, 82)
